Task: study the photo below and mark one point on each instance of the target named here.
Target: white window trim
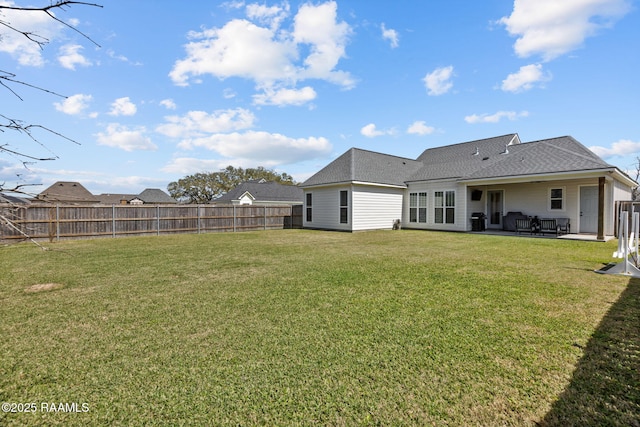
(564, 199)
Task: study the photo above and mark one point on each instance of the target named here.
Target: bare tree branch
(8, 79)
(39, 40)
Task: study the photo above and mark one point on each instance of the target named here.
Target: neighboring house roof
(155, 195)
(115, 199)
(67, 192)
(498, 157)
(357, 165)
(12, 200)
(264, 191)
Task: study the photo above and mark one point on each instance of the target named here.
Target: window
(422, 207)
(413, 207)
(445, 207)
(344, 207)
(556, 199)
(309, 207)
(417, 207)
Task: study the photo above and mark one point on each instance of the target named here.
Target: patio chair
(564, 225)
(523, 224)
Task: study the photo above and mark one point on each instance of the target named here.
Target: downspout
(601, 182)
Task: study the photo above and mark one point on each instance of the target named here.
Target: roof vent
(506, 149)
(485, 158)
(477, 151)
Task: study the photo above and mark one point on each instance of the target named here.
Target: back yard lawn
(299, 327)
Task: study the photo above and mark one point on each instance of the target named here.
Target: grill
(478, 221)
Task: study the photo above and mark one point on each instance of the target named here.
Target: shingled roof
(501, 156)
(67, 192)
(264, 191)
(358, 165)
(155, 195)
(555, 155)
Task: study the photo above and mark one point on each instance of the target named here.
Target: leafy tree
(206, 187)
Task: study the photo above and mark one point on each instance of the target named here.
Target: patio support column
(601, 182)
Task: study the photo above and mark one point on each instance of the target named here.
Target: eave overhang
(613, 173)
(363, 183)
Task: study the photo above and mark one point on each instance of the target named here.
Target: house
(148, 196)
(154, 196)
(118, 199)
(66, 192)
(6, 199)
(446, 186)
(262, 192)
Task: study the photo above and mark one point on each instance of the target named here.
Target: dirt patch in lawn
(43, 287)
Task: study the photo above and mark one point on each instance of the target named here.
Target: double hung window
(445, 207)
(344, 207)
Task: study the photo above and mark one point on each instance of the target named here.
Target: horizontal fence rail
(55, 222)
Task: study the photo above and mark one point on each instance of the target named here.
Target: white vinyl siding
(369, 207)
(375, 207)
(325, 209)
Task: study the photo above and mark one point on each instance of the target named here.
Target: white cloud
(525, 78)
(74, 105)
(70, 56)
(123, 107)
(200, 123)
(239, 49)
(169, 104)
(270, 55)
(269, 149)
(370, 131)
(270, 15)
(495, 118)
(438, 82)
(284, 97)
(119, 136)
(317, 27)
(623, 147)
(391, 35)
(420, 128)
(27, 52)
(551, 28)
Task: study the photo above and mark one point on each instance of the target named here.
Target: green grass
(300, 327)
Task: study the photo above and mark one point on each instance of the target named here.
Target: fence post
(113, 221)
(198, 220)
(234, 218)
(265, 217)
(57, 222)
(157, 220)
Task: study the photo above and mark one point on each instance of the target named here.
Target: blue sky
(177, 88)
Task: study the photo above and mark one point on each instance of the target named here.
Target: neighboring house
(261, 192)
(445, 186)
(6, 199)
(148, 196)
(66, 192)
(118, 199)
(154, 196)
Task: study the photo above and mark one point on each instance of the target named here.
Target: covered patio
(587, 237)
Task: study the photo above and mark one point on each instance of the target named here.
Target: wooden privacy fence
(55, 222)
